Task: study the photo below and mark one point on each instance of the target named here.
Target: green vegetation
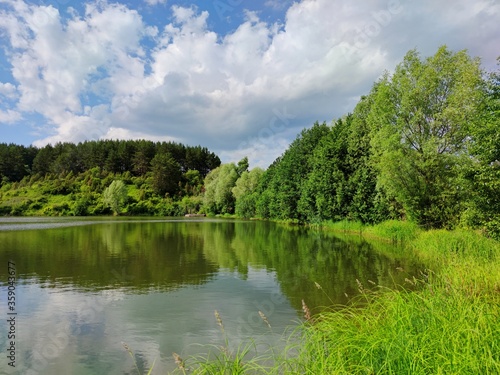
(422, 146)
(445, 321)
(115, 195)
(449, 325)
(66, 179)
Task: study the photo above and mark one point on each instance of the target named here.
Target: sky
(240, 77)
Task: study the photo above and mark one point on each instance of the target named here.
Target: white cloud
(121, 133)
(9, 116)
(277, 4)
(8, 90)
(192, 85)
(155, 2)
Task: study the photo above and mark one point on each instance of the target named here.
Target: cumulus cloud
(106, 73)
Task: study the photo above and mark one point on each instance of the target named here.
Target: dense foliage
(68, 179)
(423, 145)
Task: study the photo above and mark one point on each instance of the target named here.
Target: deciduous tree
(421, 117)
(115, 195)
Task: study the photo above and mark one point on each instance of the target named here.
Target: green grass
(394, 230)
(344, 226)
(440, 330)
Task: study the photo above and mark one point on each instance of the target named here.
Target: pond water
(86, 286)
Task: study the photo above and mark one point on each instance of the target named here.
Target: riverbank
(448, 323)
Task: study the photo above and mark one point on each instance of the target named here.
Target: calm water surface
(84, 286)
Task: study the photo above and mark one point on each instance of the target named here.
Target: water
(86, 286)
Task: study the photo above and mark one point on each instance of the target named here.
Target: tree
(166, 174)
(193, 182)
(247, 183)
(144, 153)
(219, 183)
(43, 160)
(483, 173)
(14, 163)
(323, 194)
(200, 159)
(283, 181)
(242, 166)
(244, 192)
(421, 117)
(67, 159)
(114, 196)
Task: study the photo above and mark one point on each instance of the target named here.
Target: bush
(245, 206)
(169, 208)
(140, 208)
(57, 210)
(100, 209)
(81, 207)
(5, 210)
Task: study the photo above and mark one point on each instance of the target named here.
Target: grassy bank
(450, 325)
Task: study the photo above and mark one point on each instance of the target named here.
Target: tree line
(71, 179)
(422, 145)
(115, 156)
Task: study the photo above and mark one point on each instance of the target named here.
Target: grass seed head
(264, 318)
(219, 320)
(307, 312)
(360, 286)
(178, 361)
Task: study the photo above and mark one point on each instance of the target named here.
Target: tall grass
(450, 325)
(344, 226)
(437, 330)
(394, 230)
(247, 358)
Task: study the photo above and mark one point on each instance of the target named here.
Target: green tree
(242, 166)
(281, 186)
(166, 174)
(114, 196)
(143, 155)
(483, 173)
(323, 194)
(421, 117)
(247, 183)
(43, 160)
(244, 192)
(367, 200)
(13, 163)
(193, 182)
(219, 183)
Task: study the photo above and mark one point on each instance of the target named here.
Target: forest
(422, 146)
(102, 177)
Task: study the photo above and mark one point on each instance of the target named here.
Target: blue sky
(241, 77)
